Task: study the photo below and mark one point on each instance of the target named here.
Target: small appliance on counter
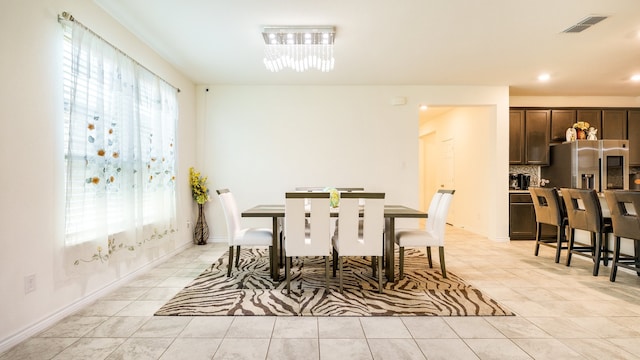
(634, 180)
(514, 184)
(519, 181)
(525, 180)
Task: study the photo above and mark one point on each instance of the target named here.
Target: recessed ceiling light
(635, 77)
(544, 77)
(423, 107)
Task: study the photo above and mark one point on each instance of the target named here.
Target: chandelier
(299, 47)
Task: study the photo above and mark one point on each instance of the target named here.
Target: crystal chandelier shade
(299, 48)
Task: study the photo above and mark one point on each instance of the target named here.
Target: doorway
(428, 172)
(464, 147)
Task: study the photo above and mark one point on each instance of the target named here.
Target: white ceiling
(403, 42)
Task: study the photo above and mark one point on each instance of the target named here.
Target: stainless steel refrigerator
(589, 164)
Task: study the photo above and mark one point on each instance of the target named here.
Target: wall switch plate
(29, 283)
(188, 224)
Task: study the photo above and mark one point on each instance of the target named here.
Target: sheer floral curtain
(120, 152)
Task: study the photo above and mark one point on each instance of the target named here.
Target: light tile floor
(562, 313)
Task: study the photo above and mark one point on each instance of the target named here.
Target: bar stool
(625, 208)
(584, 213)
(551, 211)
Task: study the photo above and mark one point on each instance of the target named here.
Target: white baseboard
(501, 239)
(60, 314)
(218, 239)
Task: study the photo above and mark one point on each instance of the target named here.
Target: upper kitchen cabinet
(561, 120)
(533, 130)
(592, 116)
(633, 122)
(516, 137)
(614, 124)
(537, 135)
(529, 132)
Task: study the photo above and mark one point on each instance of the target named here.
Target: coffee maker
(519, 181)
(514, 184)
(524, 181)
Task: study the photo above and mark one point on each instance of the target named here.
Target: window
(119, 144)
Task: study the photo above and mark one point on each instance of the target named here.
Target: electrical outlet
(29, 283)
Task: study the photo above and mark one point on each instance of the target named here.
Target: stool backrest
(625, 207)
(548, 207)
(583, 209)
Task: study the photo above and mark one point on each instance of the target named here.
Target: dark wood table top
(277, 210)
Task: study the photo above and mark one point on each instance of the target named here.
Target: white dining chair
(306, 236)
(238, 236)
(356, 236)
(432, 234)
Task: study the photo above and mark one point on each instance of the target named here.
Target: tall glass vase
(201, 229)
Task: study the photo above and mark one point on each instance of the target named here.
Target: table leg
(390, 249)
(636, 254)
(275, 251)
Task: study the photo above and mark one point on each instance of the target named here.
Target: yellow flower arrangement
(334, 196)
(582, 125)
(199, 188)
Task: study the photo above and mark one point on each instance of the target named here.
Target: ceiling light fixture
(635, 77)
(299, 47)
(544, 77)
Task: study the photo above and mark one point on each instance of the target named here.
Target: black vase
(201, 230)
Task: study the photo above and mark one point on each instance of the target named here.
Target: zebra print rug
(250, 291)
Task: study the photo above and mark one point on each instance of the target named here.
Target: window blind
(119, 133)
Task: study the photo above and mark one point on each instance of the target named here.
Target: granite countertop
(511, 191)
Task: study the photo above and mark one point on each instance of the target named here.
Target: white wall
(264, 140)
(469, 130)
(31, 185)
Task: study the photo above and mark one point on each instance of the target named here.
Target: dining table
(391, 213)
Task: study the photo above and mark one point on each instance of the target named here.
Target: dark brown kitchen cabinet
(516, 137)
(561, 120)
(592, 116)
(528, 126)
(537, 135)
(522, 217)
(633, 132)
(614, 124)
(529, 132)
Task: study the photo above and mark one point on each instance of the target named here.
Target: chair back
(624, 206)
(583, 209)
(365, 240)
(431, 212)
(440, 218)
(231, 214)
(321, 188)
(433, 207)
(300, 240)
(309, 188)
(547, 205)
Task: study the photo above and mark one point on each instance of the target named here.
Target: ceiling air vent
(584, 24)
